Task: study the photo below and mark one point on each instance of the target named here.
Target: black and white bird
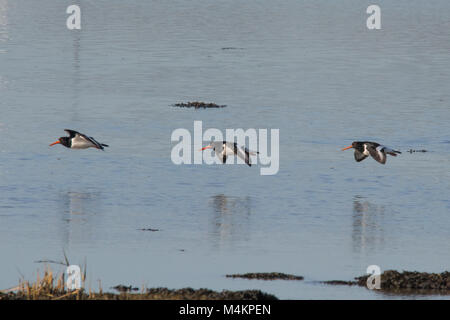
(77, 140)
(365, 148)
(223, 149)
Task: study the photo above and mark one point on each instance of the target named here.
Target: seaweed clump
(266, 276)
(340, 283)
(198, 105)
(408, 282)
(412, 150)
(411, 280)
(206, 294)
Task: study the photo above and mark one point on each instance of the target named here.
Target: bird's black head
(65, 141)
(358, 145)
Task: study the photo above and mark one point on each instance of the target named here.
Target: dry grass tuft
(51, 286)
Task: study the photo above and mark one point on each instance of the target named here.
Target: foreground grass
(51, 287)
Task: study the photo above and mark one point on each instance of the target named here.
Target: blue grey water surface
(309, 68)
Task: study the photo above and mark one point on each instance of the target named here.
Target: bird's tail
(104, 145)
(390, 151)
(393, 152)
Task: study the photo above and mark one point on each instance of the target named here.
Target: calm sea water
(310, 68)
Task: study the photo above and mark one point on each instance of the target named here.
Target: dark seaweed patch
(405, 282)
(198, 105)
(266, 276)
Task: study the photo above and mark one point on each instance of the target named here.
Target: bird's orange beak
(56, 142)
(207, 147)
(347, 148)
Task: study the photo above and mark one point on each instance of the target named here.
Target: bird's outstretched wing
(359, 156)
(220, 153)
(72, 133)
(242, 153)
(378, 153)
(97, 144)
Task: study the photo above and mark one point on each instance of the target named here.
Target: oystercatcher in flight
(77, 140)
(365, 148)
(224, 149)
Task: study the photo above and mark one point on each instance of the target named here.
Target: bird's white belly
(366, 152)
(80, 144)
(228, 151)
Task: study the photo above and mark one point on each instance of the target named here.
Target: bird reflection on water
(368, 221)
(231, 219)
(78, 212)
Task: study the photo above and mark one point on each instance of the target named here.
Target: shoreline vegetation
(53, 287)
